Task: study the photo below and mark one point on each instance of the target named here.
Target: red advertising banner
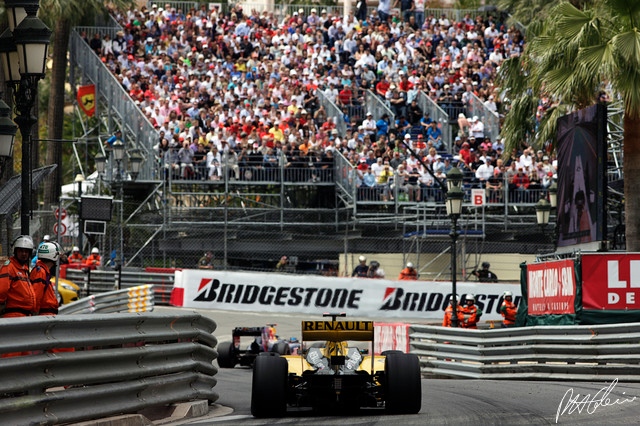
(551, 288)
(611, 281)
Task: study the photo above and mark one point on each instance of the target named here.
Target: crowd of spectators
(235, 94)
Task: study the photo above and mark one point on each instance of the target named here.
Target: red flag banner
(87, 99)
(551, 287)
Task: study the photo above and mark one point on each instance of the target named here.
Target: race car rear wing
(336, 331)
(247, 331)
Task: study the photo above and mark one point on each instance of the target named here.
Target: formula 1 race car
(335, 375)
(265, 340)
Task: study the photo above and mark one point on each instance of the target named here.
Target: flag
(87, 99)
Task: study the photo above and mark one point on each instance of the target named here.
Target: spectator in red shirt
(382, 86)
(345, 95)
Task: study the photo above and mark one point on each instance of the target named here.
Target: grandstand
(299, 126)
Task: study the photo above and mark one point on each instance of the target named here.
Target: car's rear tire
(391, 351)
(269, 387)
(403, 385)
(282, 348)
(226, 355)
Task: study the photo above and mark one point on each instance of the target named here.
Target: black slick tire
(269, 387)
(403, 385)
(226, 355)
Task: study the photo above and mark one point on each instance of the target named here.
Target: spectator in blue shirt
(434, 134)
(117, 137)
(383, 125)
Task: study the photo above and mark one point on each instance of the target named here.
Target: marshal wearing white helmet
(470, 313)
(46, 301)
(94, 259)
(76, 256)
(16, 294)
(409, 273)
(508, 310)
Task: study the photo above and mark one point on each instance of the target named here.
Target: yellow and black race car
(335, 375)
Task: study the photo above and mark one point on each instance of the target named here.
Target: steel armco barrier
(122, 363)
(600, 352)
(135, 299)
(102, 281)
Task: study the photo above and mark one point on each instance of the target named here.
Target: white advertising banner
(247, 291)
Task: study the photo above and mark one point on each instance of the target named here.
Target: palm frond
(628, 46)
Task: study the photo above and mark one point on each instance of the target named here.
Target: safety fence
(135, 299)
(105, 283)
(438, 115)
(594, 352)
(490, 119)
(77, 368)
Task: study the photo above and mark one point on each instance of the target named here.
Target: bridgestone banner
(246, 291)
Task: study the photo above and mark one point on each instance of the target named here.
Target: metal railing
(97, 281)
(377, 107)
(345, 177)
(135, 299)
(438, 115)
(333, 112)
(136, 126)
(593, 352)
(490, 119)
(120, 364)
(184, 6)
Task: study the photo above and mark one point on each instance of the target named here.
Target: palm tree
(62, 15)
(570, 59)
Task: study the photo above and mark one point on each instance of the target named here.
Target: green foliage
(573, 56)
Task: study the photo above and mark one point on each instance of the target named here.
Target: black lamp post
(135, 164)
(454, 208)
(23, 53)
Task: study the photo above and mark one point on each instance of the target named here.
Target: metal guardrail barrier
(139, 131)
(377, 107)
(121, 364)
(184, 6)
(333, 112)
(135, 299)
(438, 115)
(490, 119)
(97, 281)
(600, 352)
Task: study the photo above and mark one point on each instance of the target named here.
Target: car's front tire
(226, 355)
(403, 385)
(269, 387)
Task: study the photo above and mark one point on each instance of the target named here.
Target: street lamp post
(454, 208)
(135, 164)
(543, 210)
(23, 53)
